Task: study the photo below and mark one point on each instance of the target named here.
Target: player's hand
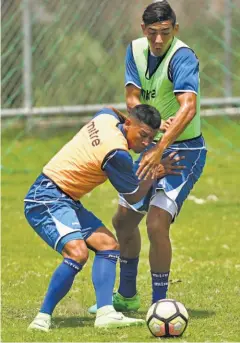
(150, 160)
(168, 166)
(166, 123)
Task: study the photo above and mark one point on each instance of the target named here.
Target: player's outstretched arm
(185, 114)
(167, 166)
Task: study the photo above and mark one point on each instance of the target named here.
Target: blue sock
(103, 275)
(128, 276)
(60, 284)
(159, 286)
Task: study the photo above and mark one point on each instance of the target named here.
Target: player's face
(139, 135)
(160, 36)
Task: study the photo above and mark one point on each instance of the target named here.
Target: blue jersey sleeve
(131, 72)
(184, 71)
(119, 169)
(106, 110)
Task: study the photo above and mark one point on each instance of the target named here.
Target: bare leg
(158, 225)
(126, 223)
(160, 254)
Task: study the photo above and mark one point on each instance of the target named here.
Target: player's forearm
(132, 102)
(144, 187)
(132, 95)
(180, 122)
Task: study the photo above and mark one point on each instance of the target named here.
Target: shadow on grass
(192, 313)
(200, 313)
(60, 322)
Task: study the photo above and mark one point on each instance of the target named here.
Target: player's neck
(152, 54)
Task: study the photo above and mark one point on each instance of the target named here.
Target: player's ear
(143, 26)
(127, 124)
(176, 29)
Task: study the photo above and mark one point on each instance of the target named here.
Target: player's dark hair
(147, 114)
(157, 12)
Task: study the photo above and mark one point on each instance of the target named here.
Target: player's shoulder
(108, 122)
(118, 158)
(184, 61)
(185, 53)
(106, 111)
(113, 134)
(184, 58)
(123, 155)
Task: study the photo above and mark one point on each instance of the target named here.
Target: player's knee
(77, 251)
(79, 254)
(128, 236)
(118, 222)
(123, 226)
(157, 231)
(114, 246)
(109, 243)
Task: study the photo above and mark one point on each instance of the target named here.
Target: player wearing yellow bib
(161, 71)
(99, 151)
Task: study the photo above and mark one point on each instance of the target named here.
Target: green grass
(205, 238)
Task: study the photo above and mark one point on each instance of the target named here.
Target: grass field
(206, 248)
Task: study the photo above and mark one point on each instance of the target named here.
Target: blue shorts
(177, 187)
(55, 216)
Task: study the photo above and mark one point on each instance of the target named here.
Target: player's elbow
(130, 104)
(132, 101)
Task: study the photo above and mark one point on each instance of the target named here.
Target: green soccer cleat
(93, 309)
(123, 304)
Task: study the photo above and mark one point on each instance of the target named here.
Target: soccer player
(52, 207)
(161, 71)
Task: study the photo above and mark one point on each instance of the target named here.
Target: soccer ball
(167, 318)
